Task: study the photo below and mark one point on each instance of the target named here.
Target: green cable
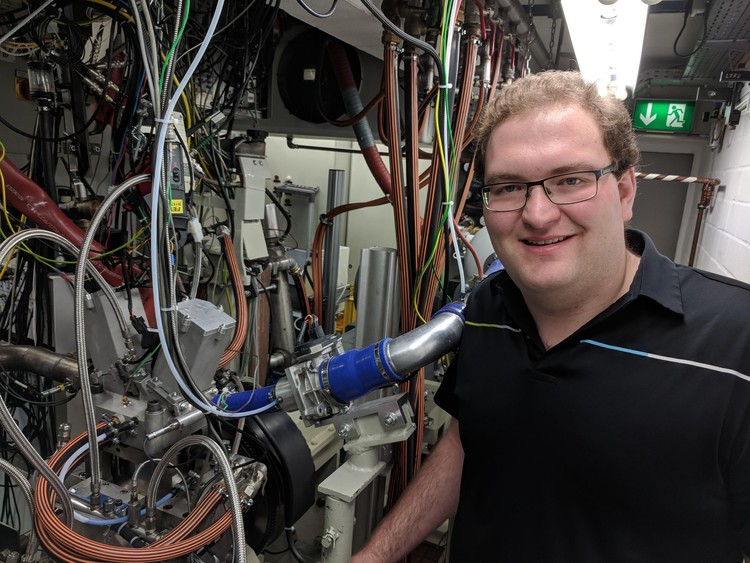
(173, 48)
(146, 359)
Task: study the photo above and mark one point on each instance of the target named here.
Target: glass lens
(572, 187)
(504, 197)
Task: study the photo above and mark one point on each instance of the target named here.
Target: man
(601, 393)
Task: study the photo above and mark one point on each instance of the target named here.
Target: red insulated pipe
(353, 104)
(31, 200)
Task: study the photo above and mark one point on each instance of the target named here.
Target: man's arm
(429, 500)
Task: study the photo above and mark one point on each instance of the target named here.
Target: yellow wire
(188, 115)
(97, 257)
(2, 183)
(185, 103)
(120, 11)
(448, 197)
(7, 263)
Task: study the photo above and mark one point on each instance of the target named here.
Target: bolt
(328, 539)
(345, 430)
(390, 419)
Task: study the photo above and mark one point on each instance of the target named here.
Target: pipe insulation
(356, 373)
(40, 361)
(353, 104)
(31, 200)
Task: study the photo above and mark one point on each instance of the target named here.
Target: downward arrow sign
(648, 118)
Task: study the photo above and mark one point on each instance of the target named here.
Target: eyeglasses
(561, 189)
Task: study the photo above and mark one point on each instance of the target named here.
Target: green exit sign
(663, 115)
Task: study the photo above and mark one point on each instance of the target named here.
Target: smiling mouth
(544, 242)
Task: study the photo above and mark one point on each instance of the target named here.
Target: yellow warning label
(177, 206)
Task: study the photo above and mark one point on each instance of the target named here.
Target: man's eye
(505, 189)
(570, 181)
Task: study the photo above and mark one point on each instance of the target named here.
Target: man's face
(546, 247)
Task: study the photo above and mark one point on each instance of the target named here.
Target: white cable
(147, 61)
(456, 249)
(446, 151)
(155, 207)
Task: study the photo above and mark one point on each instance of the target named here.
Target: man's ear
(626, 187)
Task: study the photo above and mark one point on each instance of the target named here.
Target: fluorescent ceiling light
(607, 40)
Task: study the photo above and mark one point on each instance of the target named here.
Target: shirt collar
(656, 278)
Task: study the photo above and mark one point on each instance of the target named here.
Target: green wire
(173, 48)
(146, 359)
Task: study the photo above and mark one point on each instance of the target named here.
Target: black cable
(304, 304)
(283, 211)
(312, 12)
(88, 122)
(222, 190)
(83, 180)
(262, 450)
(8, 389)
(688, 8)
(293, 546)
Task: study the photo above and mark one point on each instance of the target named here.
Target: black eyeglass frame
(598, 173)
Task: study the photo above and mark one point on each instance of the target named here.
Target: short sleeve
(445, 397)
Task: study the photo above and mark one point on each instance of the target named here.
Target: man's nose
(539, 209)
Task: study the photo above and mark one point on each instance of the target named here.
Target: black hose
(283, 211)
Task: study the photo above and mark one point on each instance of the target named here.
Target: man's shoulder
(709, 286)
(715, 305)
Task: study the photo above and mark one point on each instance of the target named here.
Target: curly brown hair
(555, 87)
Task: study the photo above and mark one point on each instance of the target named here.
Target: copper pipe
(707, 194)
(71, 546)
(240, 335)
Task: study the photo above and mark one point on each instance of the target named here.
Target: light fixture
(607, 39)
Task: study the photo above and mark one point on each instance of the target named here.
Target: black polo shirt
(628, 441)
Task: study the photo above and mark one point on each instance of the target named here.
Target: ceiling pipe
(516, 15)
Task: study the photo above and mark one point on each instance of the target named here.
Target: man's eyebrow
(511, 177)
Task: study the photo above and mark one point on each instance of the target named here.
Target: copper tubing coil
(71, 546)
